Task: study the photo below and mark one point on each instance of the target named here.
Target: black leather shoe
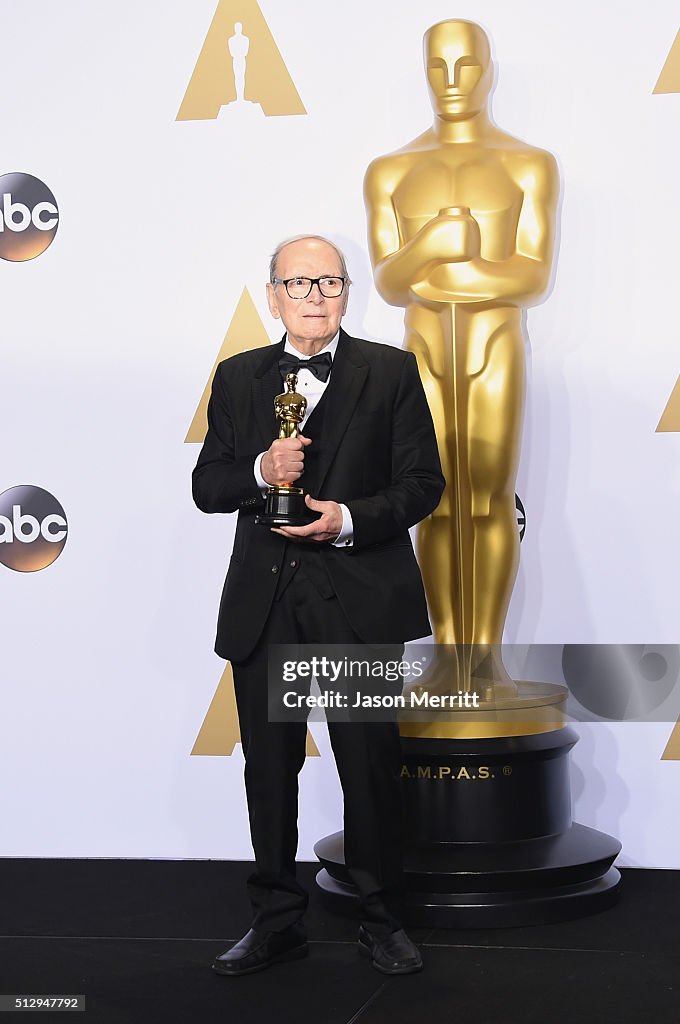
(391, 954)
(258, 950)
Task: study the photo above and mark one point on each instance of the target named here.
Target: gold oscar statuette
(461, 230)
(285, 503)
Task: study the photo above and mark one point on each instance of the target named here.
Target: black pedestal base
(285, 506)
(497, 885)
(490, 841)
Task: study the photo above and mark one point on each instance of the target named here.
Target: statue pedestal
(490, 840)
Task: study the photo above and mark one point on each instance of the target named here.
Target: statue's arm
(523, 277)
(396, 266)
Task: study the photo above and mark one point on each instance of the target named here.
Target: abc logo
(33, 528)
(28, 217)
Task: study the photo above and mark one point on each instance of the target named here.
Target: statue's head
(459, 69)
(238, 28)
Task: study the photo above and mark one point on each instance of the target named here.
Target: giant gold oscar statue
(461, 227)
(461, 231)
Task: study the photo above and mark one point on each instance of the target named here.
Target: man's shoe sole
(409, 969)
(298, 953)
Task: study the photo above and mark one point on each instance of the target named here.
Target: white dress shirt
(312, 388)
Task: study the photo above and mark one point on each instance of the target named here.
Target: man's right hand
(284, 461)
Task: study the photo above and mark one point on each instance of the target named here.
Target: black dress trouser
(368, 759)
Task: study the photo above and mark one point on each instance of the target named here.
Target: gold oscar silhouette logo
(239, 69)
(670, 418)
(219, 732)
(245, 331)
(28, 217)
(669, 79)
(672, 751)
(33, 528)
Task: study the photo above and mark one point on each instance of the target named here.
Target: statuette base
(285, 506)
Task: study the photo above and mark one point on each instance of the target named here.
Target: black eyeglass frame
(313, 281)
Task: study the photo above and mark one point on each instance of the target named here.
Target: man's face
(459, 69)
(312, 322)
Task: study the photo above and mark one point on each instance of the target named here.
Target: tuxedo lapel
(348, 376)
(265, 386)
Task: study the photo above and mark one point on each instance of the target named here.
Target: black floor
(137, 938)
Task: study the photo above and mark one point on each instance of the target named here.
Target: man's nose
(315, 295)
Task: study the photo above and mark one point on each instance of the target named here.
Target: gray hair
(301, 238)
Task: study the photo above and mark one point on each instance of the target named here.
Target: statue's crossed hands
(451, 237)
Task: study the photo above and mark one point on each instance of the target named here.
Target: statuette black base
(285, 506)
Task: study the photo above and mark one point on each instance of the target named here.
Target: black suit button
(275, 568)
(293, 564)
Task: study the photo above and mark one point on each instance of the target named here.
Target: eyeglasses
(300, 287)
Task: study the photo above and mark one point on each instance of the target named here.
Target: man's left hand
(326, 528)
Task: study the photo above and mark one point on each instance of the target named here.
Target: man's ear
(272, 303)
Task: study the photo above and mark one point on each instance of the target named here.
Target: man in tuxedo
(367, 459)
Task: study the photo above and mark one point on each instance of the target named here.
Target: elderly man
(367, 460)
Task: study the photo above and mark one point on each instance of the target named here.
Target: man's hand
(326, 528)
(284, 461)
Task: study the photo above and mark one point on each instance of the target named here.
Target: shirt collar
(330, 348)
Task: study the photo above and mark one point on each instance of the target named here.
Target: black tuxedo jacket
(373, 449)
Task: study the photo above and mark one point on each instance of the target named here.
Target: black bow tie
(319, 365)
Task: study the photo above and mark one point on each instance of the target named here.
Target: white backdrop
(108, 339)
